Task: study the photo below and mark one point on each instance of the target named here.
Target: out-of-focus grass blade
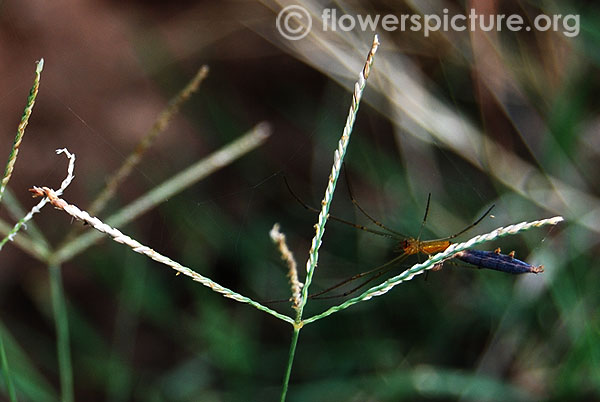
(28, 381)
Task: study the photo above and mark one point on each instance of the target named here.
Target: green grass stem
(10, 165)
(338, 159)
(61, 323)
(290, 363)
(14, 152)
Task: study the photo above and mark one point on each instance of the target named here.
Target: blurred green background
(473, 118)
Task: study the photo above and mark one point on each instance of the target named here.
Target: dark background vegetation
(140, 333)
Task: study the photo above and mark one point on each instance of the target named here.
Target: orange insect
(407, 245)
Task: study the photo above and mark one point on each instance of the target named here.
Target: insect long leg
(377, 271)
(357, 205)
(335, 218)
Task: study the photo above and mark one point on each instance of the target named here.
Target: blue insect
(498, 261)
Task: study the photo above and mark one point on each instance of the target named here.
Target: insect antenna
(424, 216)
(418, 239)
(471, 226)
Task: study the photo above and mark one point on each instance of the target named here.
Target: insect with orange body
(406, 246)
